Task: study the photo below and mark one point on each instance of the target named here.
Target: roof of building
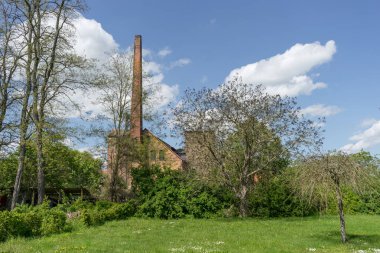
(180, 152)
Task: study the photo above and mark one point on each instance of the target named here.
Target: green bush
(53, 221)
(273, 198)
(92, 217)
(103, 205)
(15, 224)
(120, 211)
(367, 202)
(169, 194)
(204, 205)
(5, 219)
(26, 221)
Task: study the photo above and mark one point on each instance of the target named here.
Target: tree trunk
(20, 169)
(24, 119)
(40, 167)
(115, 168)
(341, 217)
(243, 202)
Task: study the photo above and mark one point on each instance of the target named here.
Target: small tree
(114, 83)
(320, 176)
(239, 133)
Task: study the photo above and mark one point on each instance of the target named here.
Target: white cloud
(151, 67)
(286, 74)
(368, 122)
(320, 110)
(163, 95)
(366, 139)
(164, 52)
(92, 40)
(87, 101)
(180, 63)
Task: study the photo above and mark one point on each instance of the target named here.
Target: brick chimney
(136, 103)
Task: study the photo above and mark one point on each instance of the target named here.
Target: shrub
(204, 201)
(14, 224)
(171, 194)
(120, 211)
(5, 218)
(104, 205)
(53, 221)
(91, 217)
(273, 198)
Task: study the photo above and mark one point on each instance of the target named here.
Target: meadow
(311, 234)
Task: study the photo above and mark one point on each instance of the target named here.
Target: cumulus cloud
(320, 110)
(286, 73)
(365, 139)
(164, 52)
(180, 63)
(368, 122)
(92, 40)
(86, 104)
(162, 93)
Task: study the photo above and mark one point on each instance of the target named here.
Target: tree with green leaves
(114, 83)
(65, 167)
(238, 133)
(50, 68)
(323, 175)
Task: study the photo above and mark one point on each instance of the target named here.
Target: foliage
(274, 198)
(120, 211)
(239, 131)
(65, 167)
(41, 220)
(28, 221)
(172, 194)
(322, 176)
(91, 217)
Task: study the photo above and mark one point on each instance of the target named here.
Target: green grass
(220, 235)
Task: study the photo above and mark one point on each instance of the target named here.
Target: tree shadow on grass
(369, 240)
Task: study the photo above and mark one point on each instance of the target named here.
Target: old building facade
(152, 149)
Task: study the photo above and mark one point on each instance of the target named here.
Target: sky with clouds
(324, 52)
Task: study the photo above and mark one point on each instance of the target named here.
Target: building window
(162, 155)
(153, 155)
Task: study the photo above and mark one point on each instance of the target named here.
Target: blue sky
(198, 43)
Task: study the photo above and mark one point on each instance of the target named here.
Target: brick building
(157, 151)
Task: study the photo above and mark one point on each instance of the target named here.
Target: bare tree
(238, 133)
(51, 69)
(26, 22)
(319, 176)
(115, 87)
(10, 54)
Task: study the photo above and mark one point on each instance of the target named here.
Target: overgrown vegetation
(65, 168)
(42, 220)
(252, 153)
(173, 194)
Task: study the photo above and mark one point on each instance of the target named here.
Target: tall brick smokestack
(136, 103)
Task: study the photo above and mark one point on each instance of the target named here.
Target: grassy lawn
(220, 235)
